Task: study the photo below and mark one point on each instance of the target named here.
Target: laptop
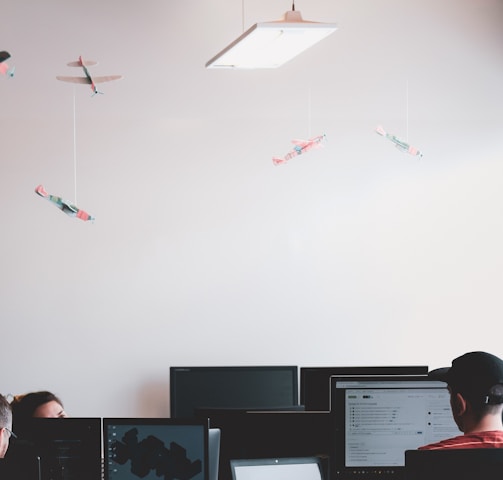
(293, 468)
(153, 448)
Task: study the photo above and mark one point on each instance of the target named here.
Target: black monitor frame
(315, 381)
(243, 387)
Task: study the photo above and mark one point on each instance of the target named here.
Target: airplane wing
(85, 63)
(4, 56)
(300, 143)
(107, 78)
(74, 79)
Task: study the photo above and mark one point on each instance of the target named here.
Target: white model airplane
(301, 146)
(88, 80)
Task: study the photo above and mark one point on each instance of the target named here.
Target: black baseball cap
(473, 375)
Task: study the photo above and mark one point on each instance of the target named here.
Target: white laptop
(295, 468)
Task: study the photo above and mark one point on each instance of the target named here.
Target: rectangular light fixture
(271, 44)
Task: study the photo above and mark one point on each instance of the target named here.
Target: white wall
(203, 252)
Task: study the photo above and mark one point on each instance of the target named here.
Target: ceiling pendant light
(271, 44)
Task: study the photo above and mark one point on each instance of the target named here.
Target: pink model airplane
(88, 80)
(301, 146)
(4, 68)
(400, 144)
(68, 208)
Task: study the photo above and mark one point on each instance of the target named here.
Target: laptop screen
(375, 420)
(302, 468)
(150, 448)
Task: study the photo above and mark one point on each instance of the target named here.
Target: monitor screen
(375, 420)
(231, 387)
(149, 448)
(68, 448)
(277, 469)
(315, 381)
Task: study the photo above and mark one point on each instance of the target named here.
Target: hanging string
(74, 150)
(407, 110)
(309, 112)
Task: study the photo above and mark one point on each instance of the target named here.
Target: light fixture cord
(74, 150)
(243, 15)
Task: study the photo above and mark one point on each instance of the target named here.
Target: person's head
(475, 382)
(37, 404)
(5, 425)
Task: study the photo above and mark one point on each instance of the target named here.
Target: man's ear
(459, 405)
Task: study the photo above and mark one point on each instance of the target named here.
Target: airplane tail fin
(380, 130)
(278, 160)
(40, 190)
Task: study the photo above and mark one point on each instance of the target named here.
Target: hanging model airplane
(4, 68)
(301, 146)
(68, 208)
(92, 81)
(400, 144)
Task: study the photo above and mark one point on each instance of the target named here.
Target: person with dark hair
(41, 404)
(475, 383)
(5, 425)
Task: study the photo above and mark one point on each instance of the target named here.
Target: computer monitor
(375, 420)
(153, 448)
(20, 466)
(254, 434)
(315, 381)
(462, 464)
(231, 387)
(298, 468)
(69, 448)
